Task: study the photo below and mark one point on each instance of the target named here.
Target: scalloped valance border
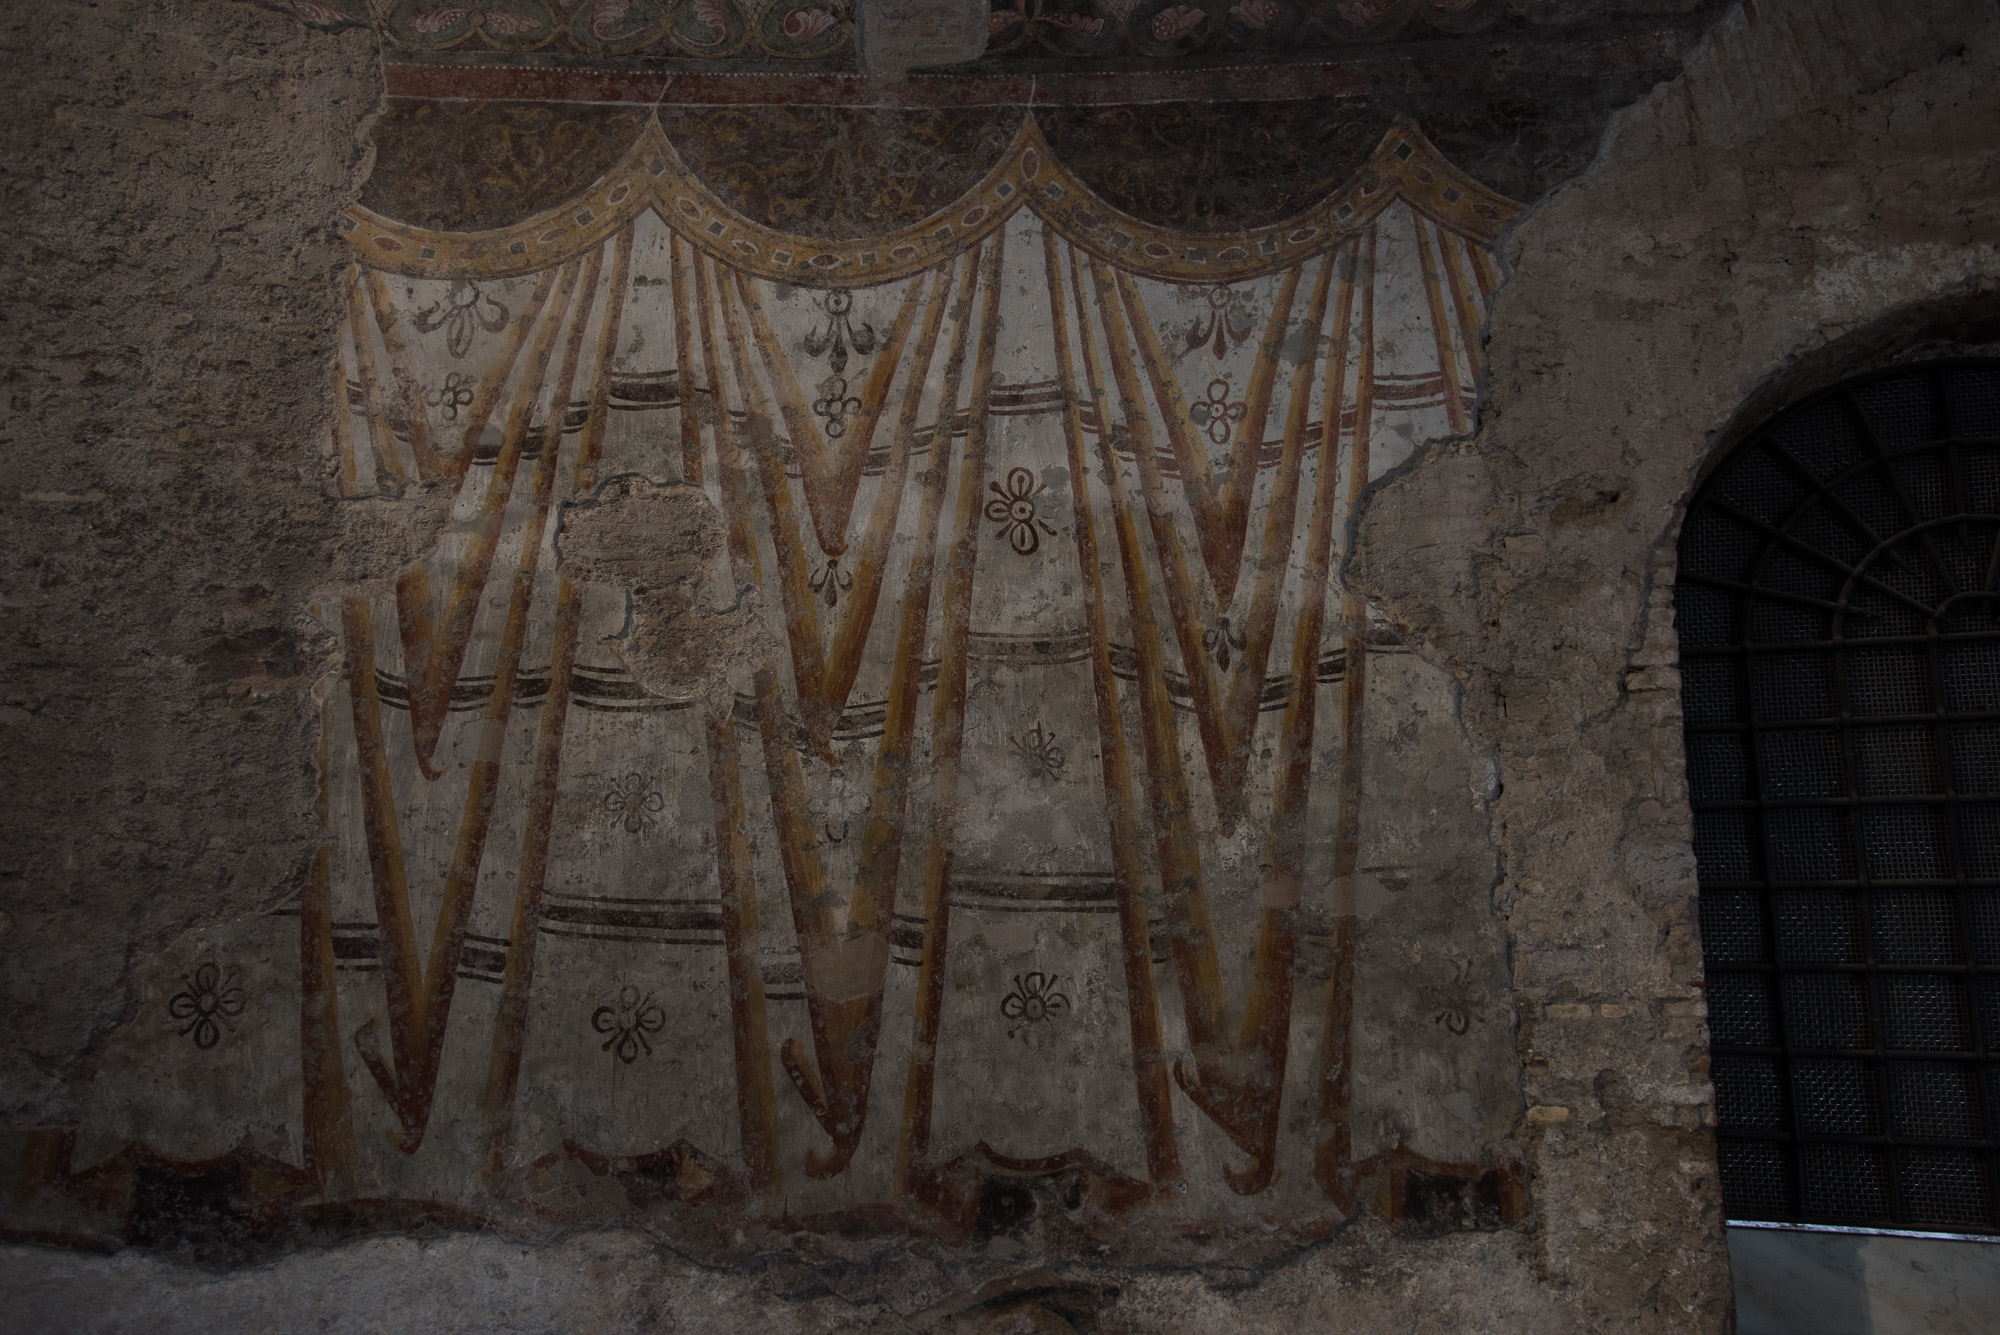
(651, 174)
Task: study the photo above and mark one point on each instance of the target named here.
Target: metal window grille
(1838, 604)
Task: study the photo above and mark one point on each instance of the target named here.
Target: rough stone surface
(1816, 189)
(171, 301)
(618, 538)
(624, 1282)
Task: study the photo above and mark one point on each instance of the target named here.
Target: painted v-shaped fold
(756, 1095)
(433, 657)
(802, 631)
(1149, 1065)
(1242, 1095)
(510, 1022)
(1236, 1082)
(845, 971)
(948, 722)
(1226, 724)
(831, 477)
(1167, 542)
(813, 914)
(1190, 940)
(1334, 1168)
(822, 680)
(851, 636)
(1221, 506)
(419, 999)
(1241, 704)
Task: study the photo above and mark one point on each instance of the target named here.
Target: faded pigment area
(889, 756)
(682, 715)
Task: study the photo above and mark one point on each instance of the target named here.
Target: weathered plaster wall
(172, 171)
(1748, 226)
(1821, 182)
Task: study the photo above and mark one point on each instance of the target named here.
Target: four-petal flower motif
(1014, 511)
(632, 804)
(208, 1005)
(628, 1021)
(1216, 414)
(455, 393)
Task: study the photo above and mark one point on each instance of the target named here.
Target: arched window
(1838, 604)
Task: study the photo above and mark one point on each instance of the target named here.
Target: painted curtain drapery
(1064, 816)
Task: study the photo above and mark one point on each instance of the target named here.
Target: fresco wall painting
(880, 743)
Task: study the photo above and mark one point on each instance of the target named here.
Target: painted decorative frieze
(881, 736)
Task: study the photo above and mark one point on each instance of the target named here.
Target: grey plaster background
(1819, 184)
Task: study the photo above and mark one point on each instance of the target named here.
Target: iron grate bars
(1838, 605)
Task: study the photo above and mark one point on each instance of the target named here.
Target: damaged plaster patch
(379, 536)
(659, 542)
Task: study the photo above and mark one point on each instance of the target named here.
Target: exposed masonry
(1709, 265)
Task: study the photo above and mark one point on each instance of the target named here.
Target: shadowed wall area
(654, 683)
